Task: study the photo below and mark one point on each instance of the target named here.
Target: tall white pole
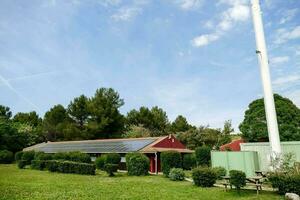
(266, 80)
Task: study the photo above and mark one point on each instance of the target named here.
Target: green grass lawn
(32, 184)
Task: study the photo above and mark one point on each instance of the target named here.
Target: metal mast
(266, 80)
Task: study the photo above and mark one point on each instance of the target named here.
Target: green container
(263, 149)
(246, 161)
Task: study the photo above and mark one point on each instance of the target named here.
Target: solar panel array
(97, 146)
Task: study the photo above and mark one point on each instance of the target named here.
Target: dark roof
(95, 146)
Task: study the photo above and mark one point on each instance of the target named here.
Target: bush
(137, 164)
(170, 159)
(203, 155)
(189, 161)
(285, 182)
(6, 156)
(113, 158)
(38, 164)
(100, 162)
(220, 171)
(61, 156)
(79, 157)
(21, 164)
(28, 156)
(237, 179)
(18, 155)
(70, 167)
(42, 156)
(176, 174)
(111, 168)
(204, 177)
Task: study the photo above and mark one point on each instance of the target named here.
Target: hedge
(6, 157)
(113, 158)
(70, 167)
(22, 163)
(189, 161)
(204, 177)
(170, 159)
(111, 168)
(137, 164)
(220, 171)
(237, 179)
(285, 182)
(203, 155)
(74, 156)
(42, 156)
(28, 156)
(100, 162)
(18, 155)
(38, 164)
(176, 174)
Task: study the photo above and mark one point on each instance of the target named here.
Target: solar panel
(97, 146)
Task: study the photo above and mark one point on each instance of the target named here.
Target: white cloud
(279, 60)
(288, 15)
(107, 3)
(282, 81)
(237, 12)
(126, 13)
(283, 35)
(189, 4)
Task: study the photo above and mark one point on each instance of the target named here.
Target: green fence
(246, 161)
(263, 149)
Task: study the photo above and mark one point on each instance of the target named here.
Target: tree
(254, 125)
(105, 119)
(156, 119)
(137, 132)
(5, 112)
(78, 110)
(53, 121)
(30, 118)
(180, 124)
(225, 138)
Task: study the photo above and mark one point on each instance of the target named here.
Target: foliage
(18, 155)
(38, 164)
(283, 163)
(42, 156)
(176, 174)
(189, 161)
(79, 157)
(237, 179)
(220, 171)
(203, 156)
(100, 162)
(170, 159)
(180, 124)
(6, 156)
(113, 158)
(254, 126)
(28, 156)
(137, 164)
(71, 167)
(78, 110)
(285, 182)
(154, 119)
(5, 112)
(22, 163)
(111, 168)
(135, 131)
(31, 118)
(204, 177)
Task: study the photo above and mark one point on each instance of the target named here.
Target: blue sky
(190, 57)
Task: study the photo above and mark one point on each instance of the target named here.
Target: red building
(150, 146)
(232, 146)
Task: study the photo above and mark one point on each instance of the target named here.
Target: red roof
(233, 146)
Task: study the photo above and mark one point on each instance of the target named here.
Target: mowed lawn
(32, 184)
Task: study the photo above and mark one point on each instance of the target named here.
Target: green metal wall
(263, 149)
(246, 161)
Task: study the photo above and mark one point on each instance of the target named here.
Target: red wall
(170, 142)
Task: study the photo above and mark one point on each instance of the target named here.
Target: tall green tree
(254, 125)
(78, 110)
(105, 120)
(180, 124)
(5, 112)
(31, 118)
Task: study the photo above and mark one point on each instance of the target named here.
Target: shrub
(28, 156)
(38, 164)
(237, 179)
(42, 156)
(176, 174)
(204, 177)
(137, 164)
(79, 157)
(100, 162)
(6, 156)
(203, 155)
(61, 156)
(189, 161)
(21, 164)
(113, 158)
(170, 159)
(220, 171)
(285, 182)
(71, 167)
(111, 168)
(18, 155)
